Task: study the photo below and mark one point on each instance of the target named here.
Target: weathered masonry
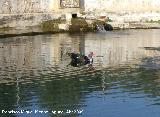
(118, 6)
(68, 6)
(40, 6)
(71, 8)
(24, 13)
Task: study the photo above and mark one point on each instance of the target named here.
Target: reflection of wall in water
(118, 48)
(26, 55)
(73, 43)
(29, 54)
(78, 44)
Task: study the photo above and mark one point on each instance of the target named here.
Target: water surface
(35, 75)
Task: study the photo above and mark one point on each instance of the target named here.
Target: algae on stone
(5, 29)
(152, 21)
(51, 25)
(78, 25)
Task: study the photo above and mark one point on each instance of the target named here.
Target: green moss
(79, 21)
(51, 25)
(98, 22)
(95, 23)
(152, 21)
(5, 29)
(109, 20)
(78, 25)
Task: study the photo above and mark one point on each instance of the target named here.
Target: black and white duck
(80, 60)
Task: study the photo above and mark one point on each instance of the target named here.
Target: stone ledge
(29, 34)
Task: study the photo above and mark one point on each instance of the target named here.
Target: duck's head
(90, 55)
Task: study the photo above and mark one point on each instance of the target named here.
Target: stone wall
(35, 6)
(120, 6)
(24, 6)
(24, 13)
(124, 10)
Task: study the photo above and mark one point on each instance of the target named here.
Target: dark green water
(36, 80)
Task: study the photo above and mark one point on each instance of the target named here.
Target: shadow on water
(35, 75)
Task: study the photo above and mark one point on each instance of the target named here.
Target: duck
(78, 60)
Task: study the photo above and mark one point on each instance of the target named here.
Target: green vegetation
(98, 22)
(51, 25)
(109, 20)
(79, 21)
(78, 25)
(95, 23)
(5, 29)
(152, 21)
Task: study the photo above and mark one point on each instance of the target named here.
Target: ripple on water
(35, 72)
